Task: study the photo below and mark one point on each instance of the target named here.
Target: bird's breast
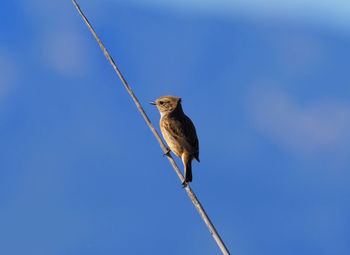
(171, 140)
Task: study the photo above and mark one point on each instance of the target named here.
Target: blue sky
(265, 83)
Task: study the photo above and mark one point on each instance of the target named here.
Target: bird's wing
(191, 135)
(183, 129)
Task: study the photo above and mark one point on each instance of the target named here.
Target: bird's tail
(188, 171)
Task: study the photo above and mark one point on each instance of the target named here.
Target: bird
(179, 132)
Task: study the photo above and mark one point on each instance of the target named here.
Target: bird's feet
(167, 153)
(184, 184)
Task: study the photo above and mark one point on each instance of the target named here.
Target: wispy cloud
(310, 128)
(332, 13)
(62, 47)
(65, 52)
(8, 73)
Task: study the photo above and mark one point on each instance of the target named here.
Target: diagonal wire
(189, 191)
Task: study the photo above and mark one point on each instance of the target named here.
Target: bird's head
(167, 104)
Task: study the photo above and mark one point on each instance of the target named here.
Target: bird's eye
(161, 102)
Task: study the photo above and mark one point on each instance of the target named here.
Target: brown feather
(178, 132)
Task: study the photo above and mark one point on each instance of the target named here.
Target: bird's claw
(184, 184)
(167, 153)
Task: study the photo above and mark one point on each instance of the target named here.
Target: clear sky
(266, 85)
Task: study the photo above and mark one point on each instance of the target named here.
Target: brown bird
(178, 132)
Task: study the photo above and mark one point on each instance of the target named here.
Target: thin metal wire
(189, 191)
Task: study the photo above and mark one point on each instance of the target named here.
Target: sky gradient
(267, 89)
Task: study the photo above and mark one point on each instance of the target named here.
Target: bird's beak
(153, 103)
